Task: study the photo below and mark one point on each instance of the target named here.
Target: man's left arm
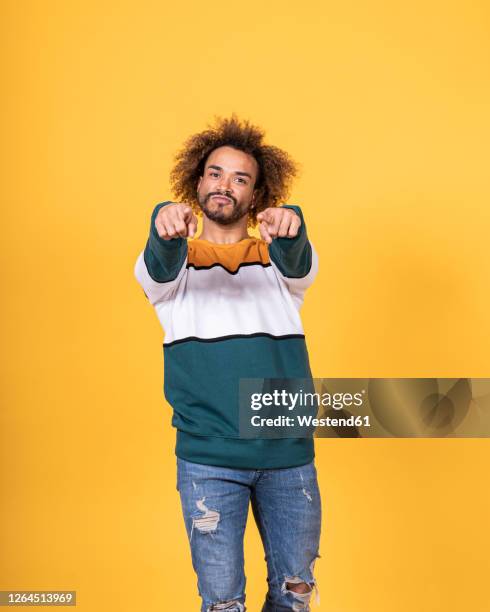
(290, 251)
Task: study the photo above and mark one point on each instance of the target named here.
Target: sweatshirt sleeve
(162, 264)
(294, 259)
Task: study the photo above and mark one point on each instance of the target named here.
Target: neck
(224, 234)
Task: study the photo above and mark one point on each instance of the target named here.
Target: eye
(214, 173)
(242, 180)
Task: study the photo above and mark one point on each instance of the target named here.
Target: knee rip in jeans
(207, 522)
(302, 597)
(232, 605)
(306, 493)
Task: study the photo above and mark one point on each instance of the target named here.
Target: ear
(199, 182)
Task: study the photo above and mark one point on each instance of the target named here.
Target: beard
(219, 215)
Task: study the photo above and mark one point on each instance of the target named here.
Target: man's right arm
(161, 265)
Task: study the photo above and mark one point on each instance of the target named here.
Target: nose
(224, 184)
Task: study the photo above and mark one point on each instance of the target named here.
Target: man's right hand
(176, 220)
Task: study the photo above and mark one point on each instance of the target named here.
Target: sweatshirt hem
(244, 453)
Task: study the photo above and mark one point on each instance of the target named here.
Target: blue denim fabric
(287, 509)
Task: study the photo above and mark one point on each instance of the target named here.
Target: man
(229, 304)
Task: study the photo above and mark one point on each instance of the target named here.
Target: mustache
(223, 195)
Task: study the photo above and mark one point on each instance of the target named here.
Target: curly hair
(276, 168)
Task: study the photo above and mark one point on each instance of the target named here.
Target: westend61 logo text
(337, 401)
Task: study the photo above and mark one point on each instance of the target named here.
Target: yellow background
(386, 106)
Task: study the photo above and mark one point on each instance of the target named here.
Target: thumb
(187, 211)
(264, 216)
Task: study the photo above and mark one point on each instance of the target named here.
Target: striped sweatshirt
(229, 311)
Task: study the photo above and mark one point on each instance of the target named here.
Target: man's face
(226, 189)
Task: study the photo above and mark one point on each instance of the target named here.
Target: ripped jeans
(287, 509)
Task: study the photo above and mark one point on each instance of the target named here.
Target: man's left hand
(278, 223)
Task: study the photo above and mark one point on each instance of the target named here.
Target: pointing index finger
(264, 233)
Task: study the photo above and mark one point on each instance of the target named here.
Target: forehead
(232, 160)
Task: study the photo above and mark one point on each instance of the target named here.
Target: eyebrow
(236, 171)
